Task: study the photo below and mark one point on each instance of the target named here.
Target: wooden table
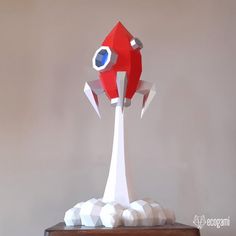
(176, 229)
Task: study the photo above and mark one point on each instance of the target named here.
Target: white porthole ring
(99, 62)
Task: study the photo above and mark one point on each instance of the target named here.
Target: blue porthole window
(104, 58)
(101, 57)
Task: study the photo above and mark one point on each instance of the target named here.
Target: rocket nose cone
(118, 33)
(120, 28)
(119, 24)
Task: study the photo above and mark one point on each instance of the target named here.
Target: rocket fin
(121, 82)
(148, 91)
(92, 89)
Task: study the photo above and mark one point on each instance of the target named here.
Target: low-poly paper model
(72, 217)
(111, 214)
(119, 64)
(159, 217)
(170, 216)
(144, 210)
(130, 217)
(140, 213)
(90, 212)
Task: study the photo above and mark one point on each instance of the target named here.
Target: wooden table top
(176, 229)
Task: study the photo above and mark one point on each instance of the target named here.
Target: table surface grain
(176, 229)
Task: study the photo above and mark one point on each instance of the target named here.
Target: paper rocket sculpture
(119, 64)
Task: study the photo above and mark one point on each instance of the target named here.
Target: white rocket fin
(148, 91)
(121, 82)
(92, 89)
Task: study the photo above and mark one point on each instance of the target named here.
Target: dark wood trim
(176, 229)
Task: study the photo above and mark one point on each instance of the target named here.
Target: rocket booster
(119, 63)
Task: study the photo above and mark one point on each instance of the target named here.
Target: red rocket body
(119, 63)
(128, 60)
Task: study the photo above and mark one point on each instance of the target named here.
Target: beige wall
(55, 152)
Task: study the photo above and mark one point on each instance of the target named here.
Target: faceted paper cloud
(170, 216)
(72, 217)
(111, 215)
(140, 213)
(144, 210)
(159, 217)
(90, 212)
(130, 217)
